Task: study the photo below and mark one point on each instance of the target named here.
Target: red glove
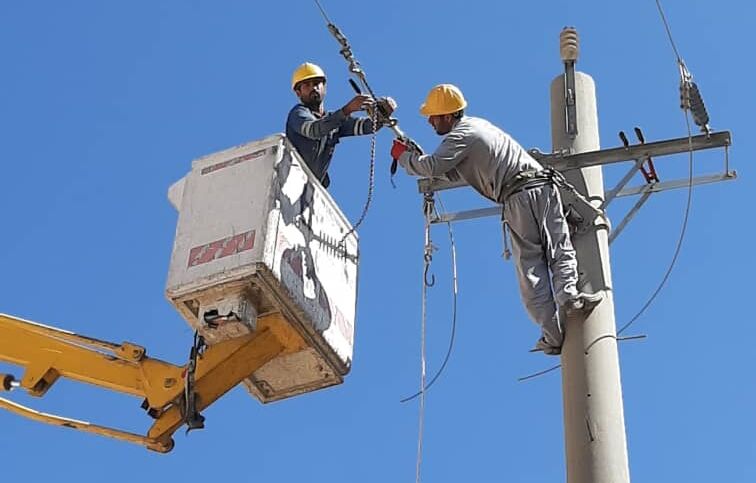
(398, 149)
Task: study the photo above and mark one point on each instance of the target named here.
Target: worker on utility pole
(496, 166)
(315, 132)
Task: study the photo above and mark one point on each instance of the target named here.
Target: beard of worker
(443, 124)
(311, 93)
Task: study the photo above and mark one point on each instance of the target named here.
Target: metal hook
(432, 281)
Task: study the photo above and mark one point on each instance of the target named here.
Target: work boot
(584, 302)
(542, 345)
(551, 339)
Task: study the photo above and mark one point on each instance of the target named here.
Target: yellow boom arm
(47, 353)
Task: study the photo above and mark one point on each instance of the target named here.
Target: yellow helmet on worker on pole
(443, 99)
(306, 71)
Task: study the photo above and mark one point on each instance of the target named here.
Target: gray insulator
(684, 95)
(697, 108)
(569, 45)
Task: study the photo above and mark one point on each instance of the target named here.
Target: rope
(455, 292)
(428, 207)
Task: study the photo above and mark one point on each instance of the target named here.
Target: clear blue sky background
(105, 104)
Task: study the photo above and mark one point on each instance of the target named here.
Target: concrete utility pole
(594, 422)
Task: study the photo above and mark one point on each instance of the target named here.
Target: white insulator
(569, 44)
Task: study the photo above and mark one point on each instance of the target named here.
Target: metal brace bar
(630, 214)
(655, 188)
(570, 99)
(564, 162)
(612, 193)
(678, 183)
(468, 215)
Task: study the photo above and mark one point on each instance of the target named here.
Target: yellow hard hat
(443, 99)
(306, 71)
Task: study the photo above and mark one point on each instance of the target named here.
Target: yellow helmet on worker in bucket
(306, 71)
(443, 99)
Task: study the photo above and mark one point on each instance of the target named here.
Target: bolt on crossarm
(47, 354)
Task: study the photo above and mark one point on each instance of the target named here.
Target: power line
(685, 86)
(669, 31)
(680, 239)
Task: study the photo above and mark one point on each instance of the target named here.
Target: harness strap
(532, 178)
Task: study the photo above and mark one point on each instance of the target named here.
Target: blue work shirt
(315, 137)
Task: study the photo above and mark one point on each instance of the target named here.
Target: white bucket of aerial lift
(257, 234)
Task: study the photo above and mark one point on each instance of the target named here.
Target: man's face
(442, 124)
(311, 92)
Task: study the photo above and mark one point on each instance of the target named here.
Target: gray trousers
(541, 246)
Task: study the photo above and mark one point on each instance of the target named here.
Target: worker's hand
(398, 149)
(360, 102)
(386, 106)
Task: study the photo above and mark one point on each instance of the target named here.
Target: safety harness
(579, 212)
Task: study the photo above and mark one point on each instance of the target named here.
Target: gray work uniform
(488, 159)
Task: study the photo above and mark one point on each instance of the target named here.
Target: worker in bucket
(313, 131)
(496, 166)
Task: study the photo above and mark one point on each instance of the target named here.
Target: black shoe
(546, 348)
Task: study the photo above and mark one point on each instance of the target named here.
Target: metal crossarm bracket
(639, 154)
(612, 193)
(629, 216)
(638, 190)
(564, 162)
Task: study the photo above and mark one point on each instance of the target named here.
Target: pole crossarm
(635, 190)
(47, 353)
(566, 162)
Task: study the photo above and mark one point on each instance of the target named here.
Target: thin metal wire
(328, 20)
(669, 31)
(455, 293)
(688, 203)
(685, 80)
(680, 239)
(540, 373)
(678, 249)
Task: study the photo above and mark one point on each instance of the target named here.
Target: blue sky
(105, 104)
